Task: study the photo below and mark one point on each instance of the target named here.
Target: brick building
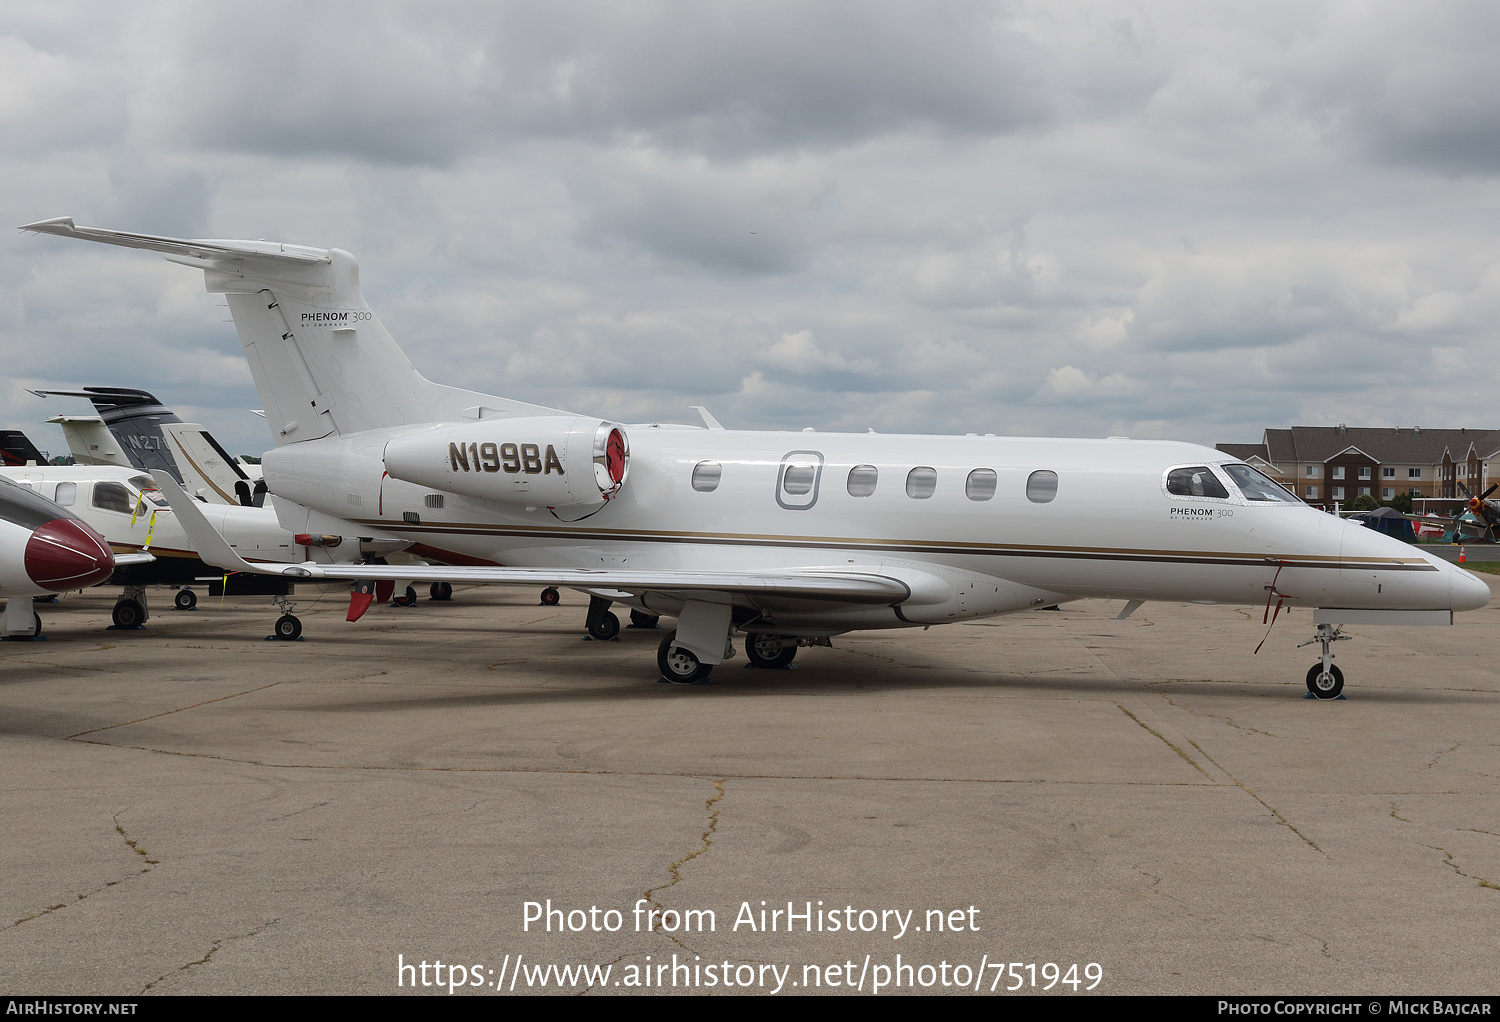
(1327, 465)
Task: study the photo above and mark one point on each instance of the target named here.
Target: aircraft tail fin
(322, 361)
(133, 417)
(16, 449)
(208, 470)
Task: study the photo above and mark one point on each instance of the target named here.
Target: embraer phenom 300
(789, 538)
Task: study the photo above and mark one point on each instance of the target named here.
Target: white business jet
(789, 538)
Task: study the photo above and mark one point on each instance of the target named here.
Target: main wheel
(406, 599)
(440, 591)
(640, 619)
(1325, 686)
(679, 666)
(605, 627)
(185, 599)
(128, 614)
(767, 651)
(551, 597)
(288, 628)
(38, 629)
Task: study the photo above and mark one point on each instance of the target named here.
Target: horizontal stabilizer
(842, 586)
(201, 250)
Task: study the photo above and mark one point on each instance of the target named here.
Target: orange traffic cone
(1462, 559)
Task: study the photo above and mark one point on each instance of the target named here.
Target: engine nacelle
(545, 460)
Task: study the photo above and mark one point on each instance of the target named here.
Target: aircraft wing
(809, 584)
(197, 251)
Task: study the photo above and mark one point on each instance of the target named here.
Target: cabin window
(113, 497)
(921, 482)
(797, 481)
(1198, 481)
(862, 480)
(66, 494)
(706, 476)
(1041, 486)
(981, 484)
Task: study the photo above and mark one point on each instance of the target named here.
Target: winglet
(211, 546)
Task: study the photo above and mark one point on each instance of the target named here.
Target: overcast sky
(1174, 220)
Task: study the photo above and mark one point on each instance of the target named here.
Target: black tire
(605, 627)
(764, 651)
(128, 614)
(551, 597)
(441, 592)
(38, 629)
(406, 599)
(1325, 687)
(185, 599)
(640, 619)
(288, 628)
(679, 666)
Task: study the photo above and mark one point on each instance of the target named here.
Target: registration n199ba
(786, 538)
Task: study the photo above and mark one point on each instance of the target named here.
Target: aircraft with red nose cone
(44, 549)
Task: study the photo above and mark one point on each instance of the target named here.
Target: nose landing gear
(1324, 680)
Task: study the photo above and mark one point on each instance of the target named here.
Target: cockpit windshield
(1256, 486)
(149, 489)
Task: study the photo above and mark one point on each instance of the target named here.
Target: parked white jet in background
(43, 550)
(124, 506)
(788, 537)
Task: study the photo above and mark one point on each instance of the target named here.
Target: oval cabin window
(862, 480)
(1041, 486)
(798, 479)
(981, 484)
(921, 482)
(706, 475)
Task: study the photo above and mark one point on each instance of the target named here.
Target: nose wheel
(1324, 680)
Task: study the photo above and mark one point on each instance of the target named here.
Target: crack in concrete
(1440, 755)
(135, 846)
(604, 772)
(1215, 716)
(1448, 861)
(217, 945)
(1269, 808)
(1190, 761)
(712, 807)
(166, 713)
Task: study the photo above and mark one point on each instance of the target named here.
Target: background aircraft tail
(135, 419)
(322, 361)
(16, 449)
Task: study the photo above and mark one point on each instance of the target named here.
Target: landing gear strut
(601, 624)
(131, 610)
(288, 628)
(1324, 680)
(770, 651)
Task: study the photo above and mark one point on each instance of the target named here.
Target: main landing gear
(288, 628)
(601, 624)
(185, 599)
(551, 597)
(440, 592)
(1324, 680)
(131, 610)
(770, 651)
(681, 666)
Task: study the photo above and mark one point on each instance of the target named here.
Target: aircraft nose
(66, 554)
(1468, 591)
